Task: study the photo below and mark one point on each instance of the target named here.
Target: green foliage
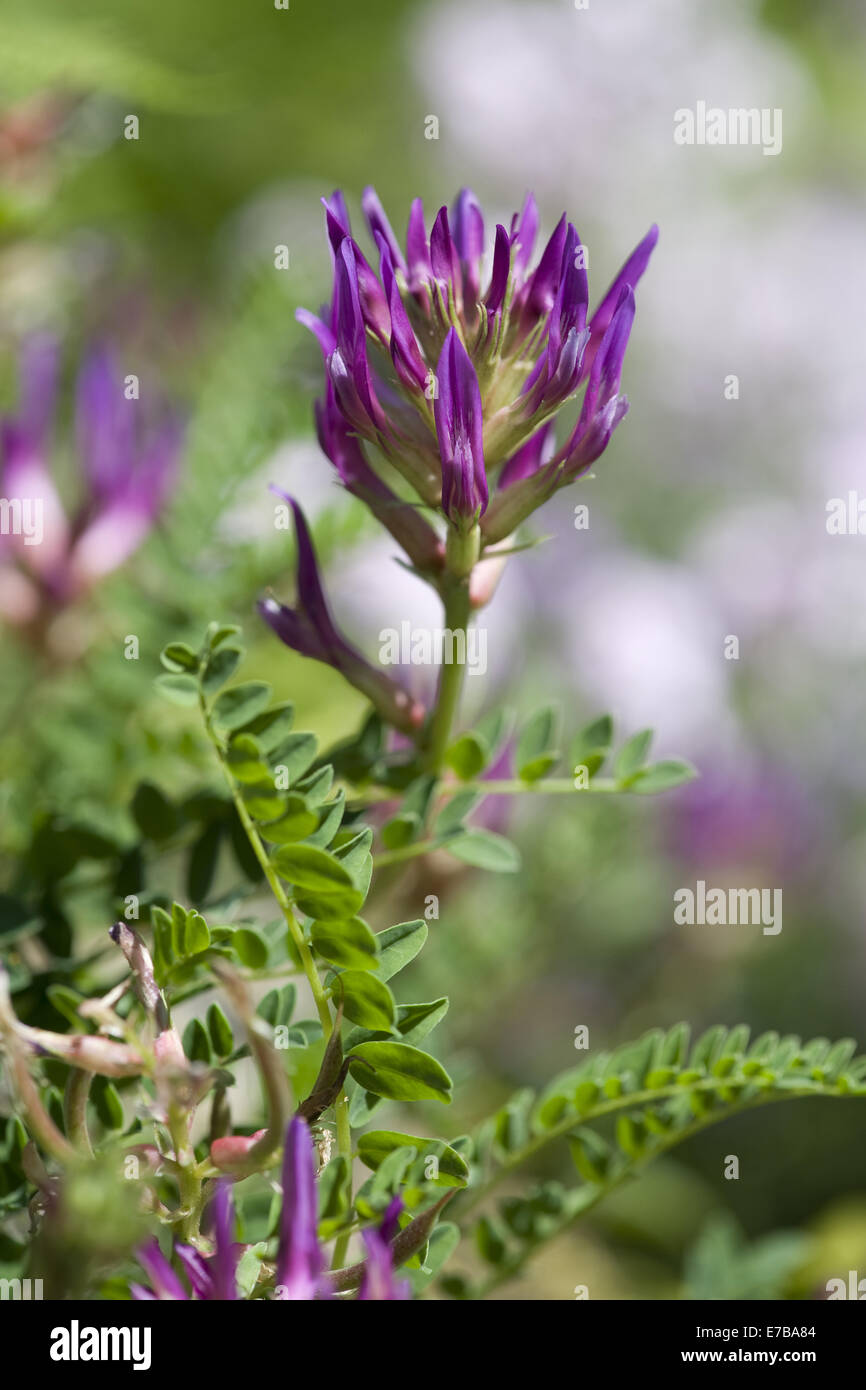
(619, 1110)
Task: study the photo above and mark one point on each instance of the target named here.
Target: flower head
(454, 382)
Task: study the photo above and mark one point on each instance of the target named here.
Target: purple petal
(311, 596)
(537, 451)
(443, 253)
(628, 274)
(105, 424)
(224, 1261)
(523, 234)
(602, 408)
(326, 340)
(38, 378)
(572, 296)
(405, 352)
(469, 241)
(196, 1269)
(419, 268)
(459, 426)
(379, 1284)
(164, 1281)
(299, 1259)
(543, 285)
(390, 1223)
(499, 274)
(336, 219)
(380, 227)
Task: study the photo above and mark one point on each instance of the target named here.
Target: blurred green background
(707, 518)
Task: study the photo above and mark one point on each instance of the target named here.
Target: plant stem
(457, 609)
(320, 997)
(399, 856)
(75, 1109)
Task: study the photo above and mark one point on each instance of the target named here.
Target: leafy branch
(658, 1093)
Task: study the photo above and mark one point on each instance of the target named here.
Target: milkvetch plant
(443, 385)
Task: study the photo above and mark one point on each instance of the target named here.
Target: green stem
(75, 1109)
(344, 1148)
(186, 1175)
(320, 997)
(457, 609)
(399, 856)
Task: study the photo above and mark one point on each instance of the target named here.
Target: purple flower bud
(469, 242)
(419, 268)
(459, 426)
(523, 233)
(628, 274)
(602, 407)
(379, 1283)
(309, 630)
(299, 1259)
(499, 274)
(405, 352)
(541, 289)
(444, 260)
(537, 450)
(380, 227)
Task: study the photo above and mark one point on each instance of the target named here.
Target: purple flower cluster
(457, 385)
(300, 1268)
(49, 557)
(453, 380)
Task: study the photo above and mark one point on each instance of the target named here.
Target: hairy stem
(457, 609)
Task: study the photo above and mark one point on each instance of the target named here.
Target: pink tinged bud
(233, 1150)
(41, 535)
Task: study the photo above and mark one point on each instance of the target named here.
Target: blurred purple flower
(300, 1266)
(379, 1284)
(212, 1278)
(127, 465)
